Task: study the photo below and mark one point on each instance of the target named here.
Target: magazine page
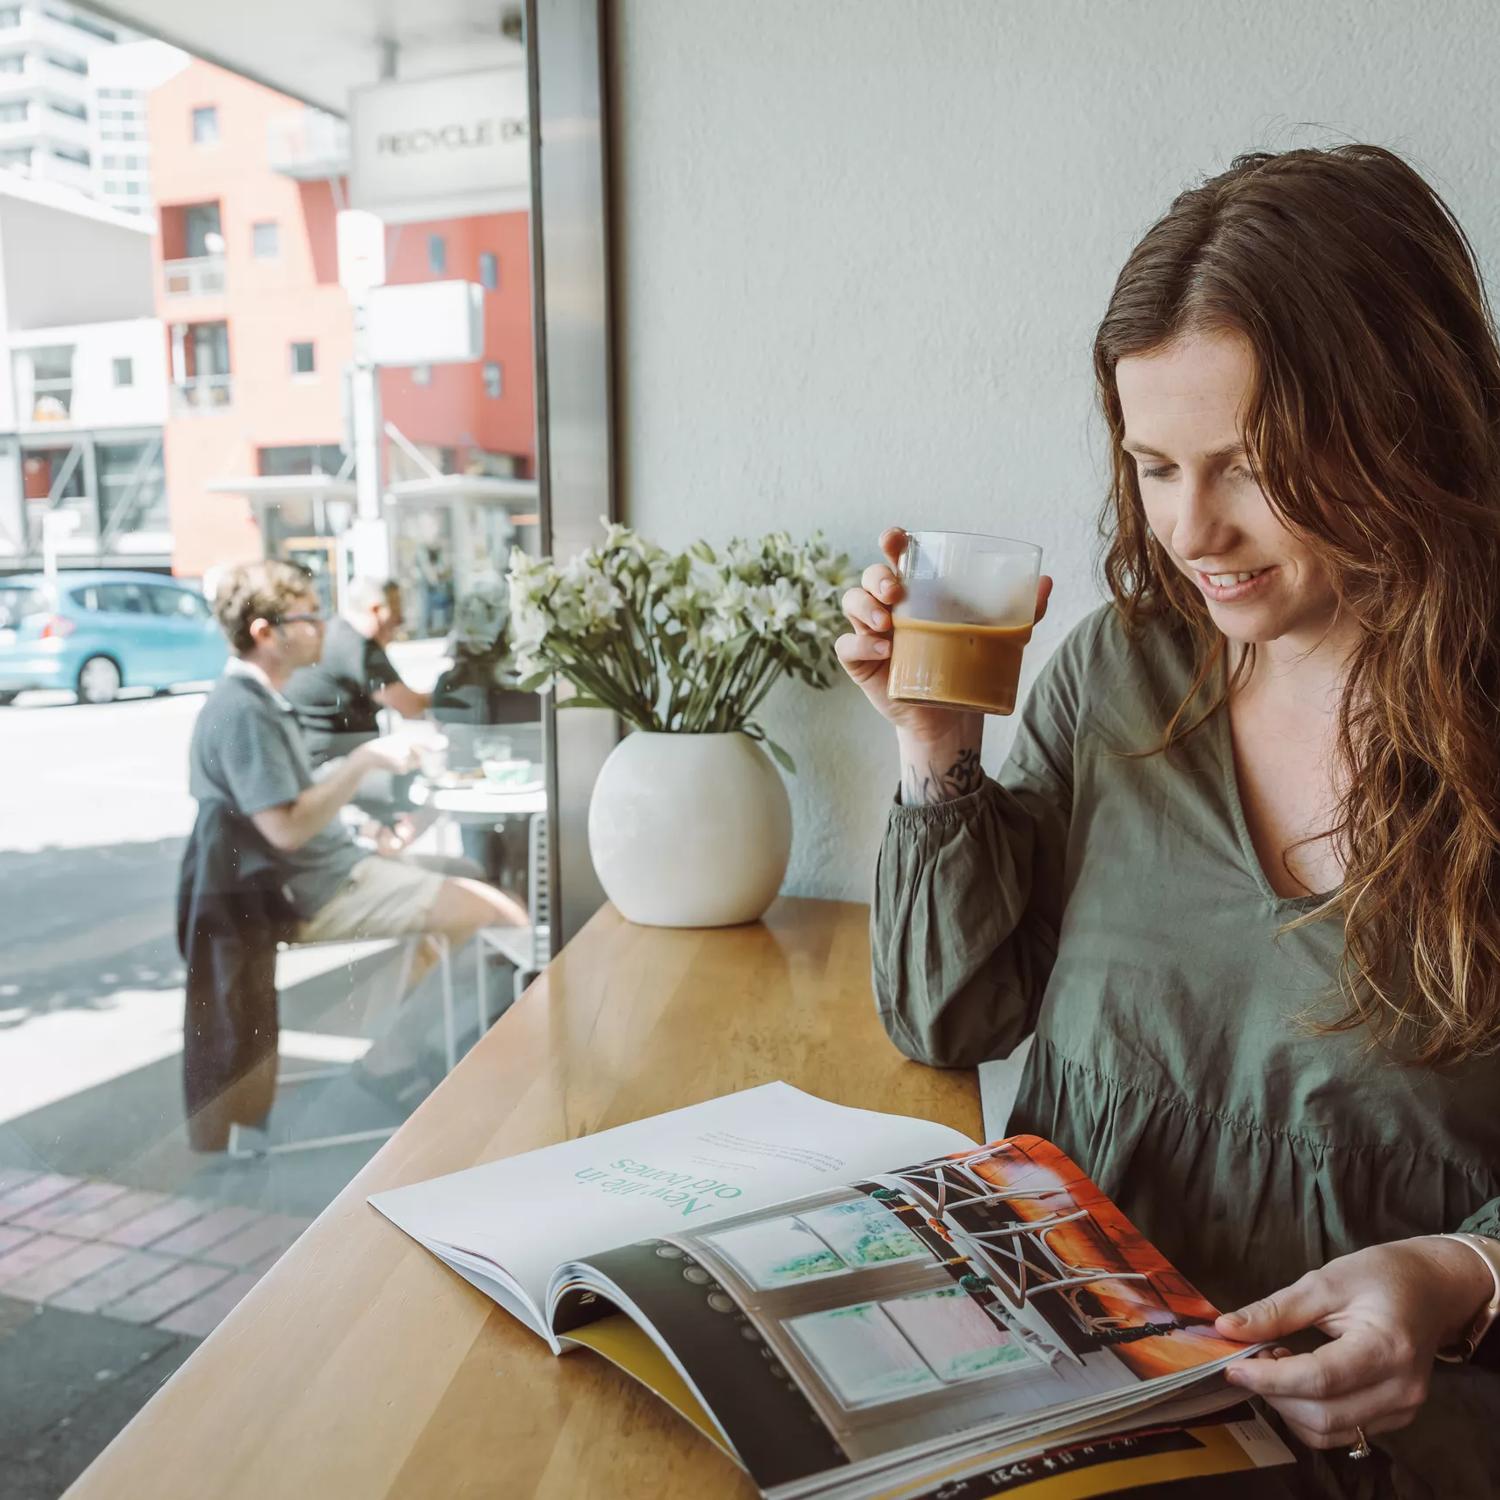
(989, 1295)
(507, 1224)
(1186, 1438)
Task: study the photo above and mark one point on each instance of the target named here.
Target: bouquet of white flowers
(678, 643)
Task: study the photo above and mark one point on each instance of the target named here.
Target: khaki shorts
(383, 897)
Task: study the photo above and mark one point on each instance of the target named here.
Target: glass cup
(964, 617)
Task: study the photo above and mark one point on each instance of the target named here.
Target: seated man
(338, 695)
(248, 752)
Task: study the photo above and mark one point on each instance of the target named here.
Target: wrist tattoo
(965, 775)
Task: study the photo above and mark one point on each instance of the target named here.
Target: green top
(1116, 907)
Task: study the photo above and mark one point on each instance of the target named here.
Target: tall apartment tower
(120, 79)
(45, 93)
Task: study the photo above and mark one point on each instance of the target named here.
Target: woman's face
(1183, 407)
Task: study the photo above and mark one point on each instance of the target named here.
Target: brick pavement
(148, 1258)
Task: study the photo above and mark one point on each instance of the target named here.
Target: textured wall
(863, 246)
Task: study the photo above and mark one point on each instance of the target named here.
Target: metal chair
(246, 1141)
(528, 948)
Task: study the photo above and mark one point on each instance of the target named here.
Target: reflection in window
(489, 270)
(206, 125)
(437, 254)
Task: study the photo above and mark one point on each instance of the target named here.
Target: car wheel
(98, 680)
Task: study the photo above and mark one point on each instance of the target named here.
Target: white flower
(733, 600)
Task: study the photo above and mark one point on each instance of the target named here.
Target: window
(303, 362)
(12, 110)
(175, 604)
(123, 599)
(67, 62)
(494, 379)
(132, 486)
(265, 239)
(16, 156)
(124, 370)
(300, 458)
(489, 270)
(67, 109)
(86, 24)
(437, 254)
(421, 374)
(10, 15)
(206, 125)
(14, 63)
(71, 153)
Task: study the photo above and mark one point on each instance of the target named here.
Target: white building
(45, 93)
(83, 380)
(120, 79)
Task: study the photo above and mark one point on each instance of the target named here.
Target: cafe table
(360, 1367)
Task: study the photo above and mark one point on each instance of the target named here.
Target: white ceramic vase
(690, 830)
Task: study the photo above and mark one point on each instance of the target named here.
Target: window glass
(437, 254)
(15, 62)
(10, 15)
(13, 110)
(174, 603)
(123, 599)
(67, 62)
(494, 379)
(265, 239)
(17, 602)
(206, 125)
(303, 359)
(489, 270)
(124, 371)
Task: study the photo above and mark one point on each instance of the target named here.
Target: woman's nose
(1201, 531)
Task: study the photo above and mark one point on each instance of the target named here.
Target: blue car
(103, 631)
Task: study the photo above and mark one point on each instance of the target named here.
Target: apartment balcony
(200, 276)
(308, 144)
(201, 393)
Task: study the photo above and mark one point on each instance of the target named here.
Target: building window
(16, 156)
(12, 110)
(303, 362)
(322, 458)
(10, 15)
(67, 62)
(489, 270)
(67, 109)
(206, 125)
(71, 153)
(437, 254)
(14, 63)
(421, 374)
(494, 379)
(85, 24)
(265, 239)
(124, 367)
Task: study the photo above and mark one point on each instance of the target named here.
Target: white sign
(426, 323)
(361, 250)
(439, 148)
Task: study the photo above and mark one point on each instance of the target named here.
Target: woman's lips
(1233, 593)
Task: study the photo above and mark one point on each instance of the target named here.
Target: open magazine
(843, 1325)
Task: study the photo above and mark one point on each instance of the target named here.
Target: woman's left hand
(1387, 1309)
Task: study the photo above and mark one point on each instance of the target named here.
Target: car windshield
(17, 602)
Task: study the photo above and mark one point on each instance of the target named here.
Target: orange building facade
(260, 333)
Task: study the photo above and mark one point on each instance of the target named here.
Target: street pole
(370, 545)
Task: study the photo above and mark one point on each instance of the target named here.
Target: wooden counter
(361, 1367)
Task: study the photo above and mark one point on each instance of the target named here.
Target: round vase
(690, 830)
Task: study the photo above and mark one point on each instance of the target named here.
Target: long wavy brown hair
(1373, 429)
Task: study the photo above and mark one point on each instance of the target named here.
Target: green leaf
(583, 700)
(783, 760)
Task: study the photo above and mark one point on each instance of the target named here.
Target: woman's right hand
(865, 653)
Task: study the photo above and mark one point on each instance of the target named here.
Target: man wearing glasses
(249, 755)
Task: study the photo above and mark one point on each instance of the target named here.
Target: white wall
(97, 401)
(863, 246)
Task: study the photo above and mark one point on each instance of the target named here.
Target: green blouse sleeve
(968, 893)
(1484, 1220)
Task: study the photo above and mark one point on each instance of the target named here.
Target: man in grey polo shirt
(247, 752)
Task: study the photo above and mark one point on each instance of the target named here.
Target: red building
(248, 184)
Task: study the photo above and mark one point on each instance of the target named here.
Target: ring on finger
(1361, 1448)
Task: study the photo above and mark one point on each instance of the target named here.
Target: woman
(1241, 872)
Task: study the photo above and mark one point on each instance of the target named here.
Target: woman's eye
(1160, 473)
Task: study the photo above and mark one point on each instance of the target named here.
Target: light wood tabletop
(360, 1366)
